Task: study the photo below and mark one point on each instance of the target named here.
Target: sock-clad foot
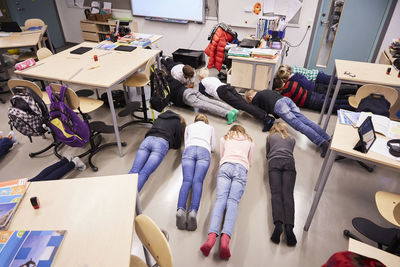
(236, 112)
(291, 240)
(181, 219)
(230, 116)
(12, 137)
(276, 235)
(225, 252)
(79, 165)
(207, 246)
(324, 148)
(192, 221)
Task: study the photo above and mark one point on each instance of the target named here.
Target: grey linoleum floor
(349, 193)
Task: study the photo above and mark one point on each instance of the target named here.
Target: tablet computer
(81, 50)
(125, 48)
(367, 134)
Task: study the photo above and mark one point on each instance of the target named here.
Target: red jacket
(216, 48)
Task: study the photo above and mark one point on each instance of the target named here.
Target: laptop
(10, 26)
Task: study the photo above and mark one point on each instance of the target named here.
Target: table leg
(322, 170)
(116, 130)
(271, 81)
(253, 75)
(50, 43)
(328, 93)
(321, 187)
(333, 100)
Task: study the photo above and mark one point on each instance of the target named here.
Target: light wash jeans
(231, 181)
(195, 163)
(150, 154)
(290, 113)
(194, 98)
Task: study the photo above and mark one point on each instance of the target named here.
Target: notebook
(81, 50)
(125, 48)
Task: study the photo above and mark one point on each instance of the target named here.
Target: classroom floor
(349, 193)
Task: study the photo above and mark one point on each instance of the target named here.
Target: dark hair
(278, 83)
(188, 71)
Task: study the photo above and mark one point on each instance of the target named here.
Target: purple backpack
(68, 127)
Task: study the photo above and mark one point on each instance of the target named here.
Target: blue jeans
(231, 182)
(150, 154)
(5, 145)
(195, 163)
(290, 113)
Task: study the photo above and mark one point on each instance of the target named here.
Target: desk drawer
(90, 36)
(89, 27)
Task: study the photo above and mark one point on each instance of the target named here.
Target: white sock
(79, 165)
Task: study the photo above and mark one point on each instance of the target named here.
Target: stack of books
(264, 53)
(239, 51)
(133, 40)
(394, 48)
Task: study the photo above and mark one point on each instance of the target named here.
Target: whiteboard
(238, 12)
(192, 10)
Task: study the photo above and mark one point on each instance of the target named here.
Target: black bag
(160, 92)
(118, 98)
(375, 103)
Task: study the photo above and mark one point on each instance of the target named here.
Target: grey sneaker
(181, 219)
(192, 221)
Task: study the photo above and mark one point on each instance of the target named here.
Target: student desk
(98, 214)
(112, 68)
(344, 139)
(390, 260)
(365, 73)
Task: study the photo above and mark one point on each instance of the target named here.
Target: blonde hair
(284, 72)
(201, 117)
(280, 128)
(249, 94)
(237, 130)
(203, 73)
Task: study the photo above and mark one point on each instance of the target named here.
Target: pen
(76, 73)
(93, 67)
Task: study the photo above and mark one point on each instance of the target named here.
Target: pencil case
(25, 64)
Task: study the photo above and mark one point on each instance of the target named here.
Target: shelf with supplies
(97, 30)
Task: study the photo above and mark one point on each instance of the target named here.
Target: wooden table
(98, 214)
(112, 68)
(390, 260)
(253, 73)
(365, 73)
(344, 139)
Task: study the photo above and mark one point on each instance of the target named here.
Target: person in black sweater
(167, 132)
(280, 106)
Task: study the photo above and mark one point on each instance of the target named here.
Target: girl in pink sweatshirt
(236, 149)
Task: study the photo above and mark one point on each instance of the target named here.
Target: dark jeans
(324, 78)
(169, 63)
(229, 94)
(317, 100)
(344, 91)
(282, 177)
(5, 145)
(55, 171)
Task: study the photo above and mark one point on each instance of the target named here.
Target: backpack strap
(50, 94)
(53, 98)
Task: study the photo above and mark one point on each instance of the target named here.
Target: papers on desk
(239, 51)
(29, 248)
(348, 117)
(5, 34)
(264, 53)
(380, 147)
(382, 125)
(11, 193)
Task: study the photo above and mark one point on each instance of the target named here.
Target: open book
(11, 193)
(382, 125)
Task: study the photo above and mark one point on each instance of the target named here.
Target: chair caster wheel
(123, 143)
(346, 233)
(31, 155)
(95, 169)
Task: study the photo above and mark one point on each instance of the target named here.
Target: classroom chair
(34, 88)
(138, 80)
(155, 242)
(95, 140)
(388, 205)
(29, 23)
(389, 93)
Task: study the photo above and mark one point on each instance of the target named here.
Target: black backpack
(160, 92)
(375, 103)
(28, 114)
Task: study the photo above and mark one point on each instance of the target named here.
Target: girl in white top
(208, 85)
(199, 143)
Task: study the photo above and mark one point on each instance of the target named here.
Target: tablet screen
(367, 133)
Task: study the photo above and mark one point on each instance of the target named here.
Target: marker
(95, 58)
(95, 67)
(35, 202)
(388, 71)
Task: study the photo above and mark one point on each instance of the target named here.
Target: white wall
(393, 30)
(192, 35)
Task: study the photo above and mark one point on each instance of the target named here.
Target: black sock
(276, 235)
(324, 148)
(291, 240)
